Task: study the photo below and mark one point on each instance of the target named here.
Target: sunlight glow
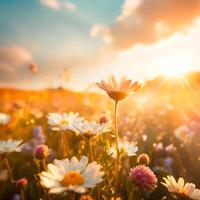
(176, 67)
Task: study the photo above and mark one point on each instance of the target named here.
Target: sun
(176, 67)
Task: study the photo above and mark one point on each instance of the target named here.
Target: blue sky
(92, 39)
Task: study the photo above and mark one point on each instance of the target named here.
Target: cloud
(13, 57)
(147, 21)
(54, 4)
(70, 6)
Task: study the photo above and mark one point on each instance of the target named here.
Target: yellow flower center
(64, 122)
(72, 178)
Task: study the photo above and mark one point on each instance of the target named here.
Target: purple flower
(38, 134)
(143, 178)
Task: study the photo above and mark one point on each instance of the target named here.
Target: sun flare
(176, 67)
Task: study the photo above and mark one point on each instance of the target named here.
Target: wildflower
(168, 162)
(158, 147)
(8, 146)
(4, 118)
(143, 177)
(143, 159)
(103, 120)
(91, 129)
(16, 197)
(184, 134)
(4, 175)
(144, 138)
(85, 197)
(118, 90)
(21, 183)
(41, 152)
(182, 188)
(125, 147)
(170, 148)
(64, 121)
(38, 134)
(73, 175)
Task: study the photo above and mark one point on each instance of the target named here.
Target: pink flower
(21, 183)
(41, 152)
(143, 177)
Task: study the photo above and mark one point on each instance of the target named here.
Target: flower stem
(91, 149)
(44, 164)
(22, 194)
(63, 146)
(117, 147)
(7, 163)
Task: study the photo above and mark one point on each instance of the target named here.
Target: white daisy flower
(91, 129)
(64, 121)
(180, 187)
(118, 89)
(4, 118)
(125, 147)
(73, 175)
(8, 146)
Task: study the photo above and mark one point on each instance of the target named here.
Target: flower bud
(143, 159)
(103, 120)
(21, 183)
(41, 152)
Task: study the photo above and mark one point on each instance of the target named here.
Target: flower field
(126, 140)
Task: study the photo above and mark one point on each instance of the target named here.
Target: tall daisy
(71, 175)
(181, 188)
(118, 90)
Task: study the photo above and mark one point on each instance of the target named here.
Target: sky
(73, 43)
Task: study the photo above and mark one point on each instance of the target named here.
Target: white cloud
(13, 57)
(54, 4)
(58, 4)
(147, 21)
(70, 6)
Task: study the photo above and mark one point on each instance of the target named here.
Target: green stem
(7, 163)
(117, 147)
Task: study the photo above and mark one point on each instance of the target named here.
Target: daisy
(63, 121)
(10, 146)
(125, 147)
(91, 129)
(73, 175)
(4, 118)
(180, 187)
(118, 90)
